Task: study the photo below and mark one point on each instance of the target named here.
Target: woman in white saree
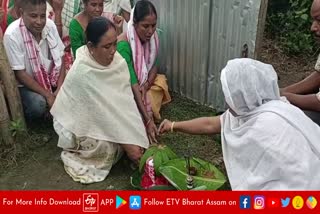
(95, 114)
(267, 143)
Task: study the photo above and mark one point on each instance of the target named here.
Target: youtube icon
(273, 202)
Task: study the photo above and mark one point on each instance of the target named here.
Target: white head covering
(270, 144)
(114, 6)
(247, 84)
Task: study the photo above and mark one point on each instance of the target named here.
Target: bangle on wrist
(172, 124)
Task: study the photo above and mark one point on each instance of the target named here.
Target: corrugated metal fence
(198, 38)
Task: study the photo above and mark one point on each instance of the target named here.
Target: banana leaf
(135, 180)
(207, 176)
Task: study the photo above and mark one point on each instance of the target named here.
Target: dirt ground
(290, 69)
(39, 167)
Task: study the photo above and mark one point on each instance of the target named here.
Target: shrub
(290, 26)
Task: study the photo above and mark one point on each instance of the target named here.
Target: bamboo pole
(5, 134)
(11, 91)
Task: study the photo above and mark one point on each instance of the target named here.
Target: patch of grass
(37, 134)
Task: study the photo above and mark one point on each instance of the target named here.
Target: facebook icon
(245, 202)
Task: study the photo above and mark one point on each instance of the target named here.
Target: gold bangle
(172, 124)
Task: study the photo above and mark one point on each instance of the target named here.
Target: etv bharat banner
(159, 201)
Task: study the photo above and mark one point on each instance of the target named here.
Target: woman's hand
(50, 100)
(143, 94)
(152, 132)
(282, 91)
(57, 5)
(144, 89)
(55, 93)
(147, 85)
(165, 126)
(118, 21)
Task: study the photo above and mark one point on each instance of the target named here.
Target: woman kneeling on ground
(140, 47)
(95, 114)
(267, 143)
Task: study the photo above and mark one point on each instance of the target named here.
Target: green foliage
(16, 127)
(292, 27)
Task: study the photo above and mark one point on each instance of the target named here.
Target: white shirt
(317, 68)
(17, 52)
(317, 65)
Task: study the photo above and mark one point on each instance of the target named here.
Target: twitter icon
(285, 202)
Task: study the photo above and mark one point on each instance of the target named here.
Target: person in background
(97, 120)
(35, 53)
(53, 12)
(261, 134)
(139, 46)
(4, 10)
(305, 94)
(78, 25)
(14, 12)
(119, 7)
(5, 5)
(70, 9)
(62, 12)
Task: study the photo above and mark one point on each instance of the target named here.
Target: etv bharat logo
(90, 202)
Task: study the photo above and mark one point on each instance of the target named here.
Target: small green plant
(16, 127)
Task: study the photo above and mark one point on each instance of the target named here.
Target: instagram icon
(258, 202)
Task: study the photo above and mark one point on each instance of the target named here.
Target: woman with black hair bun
(95, 114)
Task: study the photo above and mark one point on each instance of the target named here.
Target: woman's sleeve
(124, 50)
(76, 36)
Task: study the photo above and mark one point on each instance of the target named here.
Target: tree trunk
(5, 135)
(11, 91)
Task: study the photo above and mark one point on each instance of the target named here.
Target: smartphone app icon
(259, 202)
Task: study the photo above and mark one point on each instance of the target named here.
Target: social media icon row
(259, 202)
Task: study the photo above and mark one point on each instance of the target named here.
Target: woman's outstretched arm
(201, 125)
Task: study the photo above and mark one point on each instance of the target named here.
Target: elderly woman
(139, 46)
(95, 114)
(267, 143)
(78, 25)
